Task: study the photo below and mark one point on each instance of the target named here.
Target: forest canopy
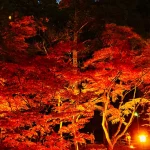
(61, 63)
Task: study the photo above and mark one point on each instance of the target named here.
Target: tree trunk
(76, 146)
(75, 64)
(61, 123)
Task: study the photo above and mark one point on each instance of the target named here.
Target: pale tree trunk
(76, 144)
(109, 142)
(75, 59)
(105, 124)
(61, 123)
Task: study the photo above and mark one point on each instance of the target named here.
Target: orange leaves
(80, 140)
(2, 80)
(82, 137)
(64, 130)
(118, 91)
(43, 94)
(99, 56)
(110, 64)
(10, 142)
(55, 142)
(26, 20)
(118, 36)
(20, 30)
(30, 133)
(113, 113)
(63, 47)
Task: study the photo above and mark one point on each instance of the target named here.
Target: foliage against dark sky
(42, 98)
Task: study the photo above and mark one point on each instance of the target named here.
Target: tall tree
(24, 92)
(116, 75)
(41, 89)
(80, 18)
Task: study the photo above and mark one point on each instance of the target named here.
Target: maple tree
(20, 83)
(20, 30)
(25, 95)
(15, 35)
(117, 74)
(80, 21)
(32, 105)
(144, 61)
(44, 102)
(30, 91)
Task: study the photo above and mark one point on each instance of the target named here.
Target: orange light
(131, 146)
(9, 17)
(142, 138)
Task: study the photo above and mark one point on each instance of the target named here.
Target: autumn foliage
(44, 103)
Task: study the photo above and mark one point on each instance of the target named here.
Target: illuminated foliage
(44, 101)
(35, 95)
(117, 74)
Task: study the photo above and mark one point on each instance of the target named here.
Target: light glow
(9, 17)
(131, 146)
(136, 114)
(142, 138)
